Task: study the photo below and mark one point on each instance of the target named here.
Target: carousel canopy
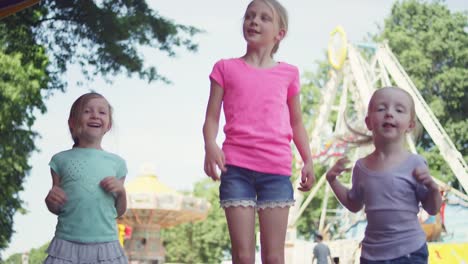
(148, 184)
(153, 204)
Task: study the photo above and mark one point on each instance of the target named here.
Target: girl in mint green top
(87, 193)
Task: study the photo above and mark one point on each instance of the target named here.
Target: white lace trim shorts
(248, 188)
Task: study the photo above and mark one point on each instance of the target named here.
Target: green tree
(13, 259)
(39, 44)
(430, 43)
(20, 95)
(200, 242)
(36, 255)
(103, 37)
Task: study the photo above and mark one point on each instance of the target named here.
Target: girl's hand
(307, 177)
(214, 157)
(56, 198)
(421, 174)
(337, 169)
(111, 184)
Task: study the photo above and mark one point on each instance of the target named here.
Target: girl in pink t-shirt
(261, 104)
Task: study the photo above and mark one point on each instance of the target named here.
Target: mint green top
(89, 215)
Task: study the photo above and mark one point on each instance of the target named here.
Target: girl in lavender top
(390, 183)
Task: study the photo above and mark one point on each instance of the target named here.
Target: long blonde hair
(76, 111)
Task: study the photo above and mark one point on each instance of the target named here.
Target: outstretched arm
(214, 156)
(56, 198)
(341, 192)
(301, 140)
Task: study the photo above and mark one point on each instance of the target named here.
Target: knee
(244, 258)
(273, 258)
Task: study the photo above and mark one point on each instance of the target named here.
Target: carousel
(152, 206)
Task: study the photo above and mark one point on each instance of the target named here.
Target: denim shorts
(419, 256)
(244, 187)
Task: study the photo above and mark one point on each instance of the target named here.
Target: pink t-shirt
(258, 130)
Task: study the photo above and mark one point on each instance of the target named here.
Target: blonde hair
(412, 107)
(364, 138)
(76, 111)
(281, 13)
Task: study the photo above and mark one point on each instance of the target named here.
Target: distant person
(321, 252)
(390, 183)
(261, 103)
(87, 193)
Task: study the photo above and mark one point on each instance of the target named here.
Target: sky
(159, 126)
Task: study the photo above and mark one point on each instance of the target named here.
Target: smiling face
(90, 119)
(390, 114)
(261, 26)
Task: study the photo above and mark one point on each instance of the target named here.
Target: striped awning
(9, 7)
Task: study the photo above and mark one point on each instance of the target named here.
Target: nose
(388, 114)
(253, 20)
(94, 114)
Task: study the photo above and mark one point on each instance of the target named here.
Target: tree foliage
(35, 255)
(20, 95)
(430, 42)
(201, 242)
(39, 44)
(104, 37)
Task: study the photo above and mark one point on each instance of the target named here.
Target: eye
(249, 16)
(266, 18)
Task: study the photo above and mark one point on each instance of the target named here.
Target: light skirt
(66, 252)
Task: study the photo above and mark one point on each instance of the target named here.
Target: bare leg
(273, 224)
(241, 224)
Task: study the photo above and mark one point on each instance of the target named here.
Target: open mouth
(388, 125)
(95, 125)
(252, 31)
